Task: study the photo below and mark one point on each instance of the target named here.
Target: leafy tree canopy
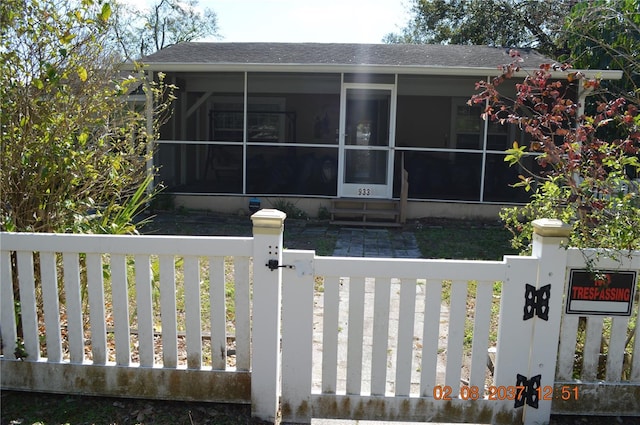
(521, 23)
(605, 34)
(74, 148)
(140, 31)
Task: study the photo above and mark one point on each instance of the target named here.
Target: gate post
(268, 227)
(549, 246)
(514, 338)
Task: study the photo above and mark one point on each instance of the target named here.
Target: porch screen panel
(292, 170)
(293, 108)
(499, 177)
(440, 175)
(224, 107)
(200, 168)
(433, 114)
(198, 96)
(467, 130)
(423, 121)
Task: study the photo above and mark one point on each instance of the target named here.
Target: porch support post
(268, 227)
(149, 107)
(550, 239)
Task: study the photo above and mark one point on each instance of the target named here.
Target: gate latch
(273, 265)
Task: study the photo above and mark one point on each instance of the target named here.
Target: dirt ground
(19, 408)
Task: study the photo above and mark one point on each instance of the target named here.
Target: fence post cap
(551, 227)
(268, 221)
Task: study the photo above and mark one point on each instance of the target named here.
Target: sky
(321, 21)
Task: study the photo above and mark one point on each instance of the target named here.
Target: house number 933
(364, 192)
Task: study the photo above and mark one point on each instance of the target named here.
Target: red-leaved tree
(586, 164)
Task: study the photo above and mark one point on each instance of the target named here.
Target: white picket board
(455, 338)
(462, 270)
(73, 304)
(602, 259)
(330, 329)
(380, 337)
(168, 317)
(7, 308)
(193, 311)
(615, 354)
(144, 308)
(120, 301)
(97, 319)
(567, 347)
(218, 313)
(355, 332)
(243, 312)
(51, 305)
(591, 351)
(128, 244)
(297, 337)
(404, 358)
(28, 305)
(430, 337)
(481, 327)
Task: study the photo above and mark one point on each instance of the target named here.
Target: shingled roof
(433, 59)
(325, 56)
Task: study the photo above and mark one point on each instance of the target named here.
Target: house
(318, 123)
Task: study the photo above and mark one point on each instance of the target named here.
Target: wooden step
(365, 212)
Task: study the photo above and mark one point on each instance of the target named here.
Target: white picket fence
(301, 336)
(114, 348)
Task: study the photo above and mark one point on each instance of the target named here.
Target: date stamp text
(516, 392)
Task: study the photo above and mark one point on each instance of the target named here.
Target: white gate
(394, 339)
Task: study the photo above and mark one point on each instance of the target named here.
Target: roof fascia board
(339, 68)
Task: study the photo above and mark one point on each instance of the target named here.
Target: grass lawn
(463, 240)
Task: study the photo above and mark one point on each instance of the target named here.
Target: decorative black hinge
(536, 302)
(530, 394)
(273, 265)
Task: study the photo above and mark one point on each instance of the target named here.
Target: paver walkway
(359, 242)
(350, 241)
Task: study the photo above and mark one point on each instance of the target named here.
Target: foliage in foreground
(74, 146)
(586, 166)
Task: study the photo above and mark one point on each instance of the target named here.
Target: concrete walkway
(362, 242)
